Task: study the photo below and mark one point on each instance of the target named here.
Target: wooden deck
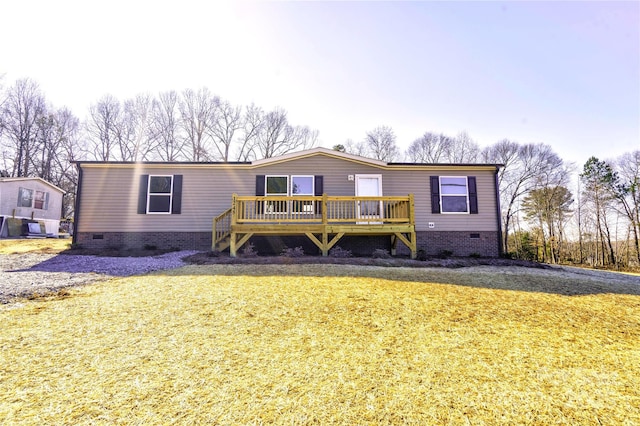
(323, 219)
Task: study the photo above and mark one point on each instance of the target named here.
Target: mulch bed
(213, 258)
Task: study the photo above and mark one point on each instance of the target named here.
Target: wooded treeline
(551, 211)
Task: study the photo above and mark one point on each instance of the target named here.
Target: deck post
(325, 235)
(412, 222)
(234, 221)
(213, 234)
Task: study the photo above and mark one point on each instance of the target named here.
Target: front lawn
(324, 344)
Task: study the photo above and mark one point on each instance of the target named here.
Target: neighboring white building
(29, 199)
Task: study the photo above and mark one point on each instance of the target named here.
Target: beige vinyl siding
(417, 182)
(110, 198)
(400, 182)
(110, 192)
(335, 172)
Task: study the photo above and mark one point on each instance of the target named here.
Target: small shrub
(381, 254)
(338, 251)
(249, 251)
(475, 255)
(445, 254)
(292, 252)
(421, 255)
(150, 247)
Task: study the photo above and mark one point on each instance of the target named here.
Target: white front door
(369, 186)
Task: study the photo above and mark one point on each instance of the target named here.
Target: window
(302, 185)
(453, 195)
(160, 194)
(283, 186)
(41, 200)
(276, 186)
(25, 197)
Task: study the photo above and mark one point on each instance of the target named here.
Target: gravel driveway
(29, 273)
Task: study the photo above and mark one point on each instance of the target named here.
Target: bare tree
(356, 148)
(102, 127)
(23, 106)
(61, 147)
(627, 191)
(252, 123)
(430, 148)
(164, 128)
(464, 149)
(277, 137)
(223, 130)
(198, 113)
(133, 129)
(381, 144)
(440, 148)
(523, 165)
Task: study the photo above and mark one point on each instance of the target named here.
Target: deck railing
(222, 228)
(322, 210)
(323, 219)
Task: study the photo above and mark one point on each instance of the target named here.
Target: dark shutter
(318, 186)
(473, 195)
(435, 194)
(260, 191)
(142, 194)
(260, 179)
(176, 207)
(318, 190)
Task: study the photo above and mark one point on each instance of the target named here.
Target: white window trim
(266, 179)
(358, 204)
(466, 178)
(307, 208)
(163, 194)
(313, 184)
(267, 207)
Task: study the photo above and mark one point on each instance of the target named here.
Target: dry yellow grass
(321, 345)
(45, 245)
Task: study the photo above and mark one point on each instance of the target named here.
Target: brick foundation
(434, 243)
(459, 243)
(161, 240)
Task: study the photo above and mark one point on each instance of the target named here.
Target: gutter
(76, 212)
(499, 213)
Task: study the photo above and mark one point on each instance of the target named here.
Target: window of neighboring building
(160, 193)
(41, 200)
(454, 196)
(25, 197)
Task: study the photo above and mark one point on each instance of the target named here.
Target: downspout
(498, 212)
(76, 212)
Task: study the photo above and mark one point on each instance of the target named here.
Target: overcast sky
(563, 73)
